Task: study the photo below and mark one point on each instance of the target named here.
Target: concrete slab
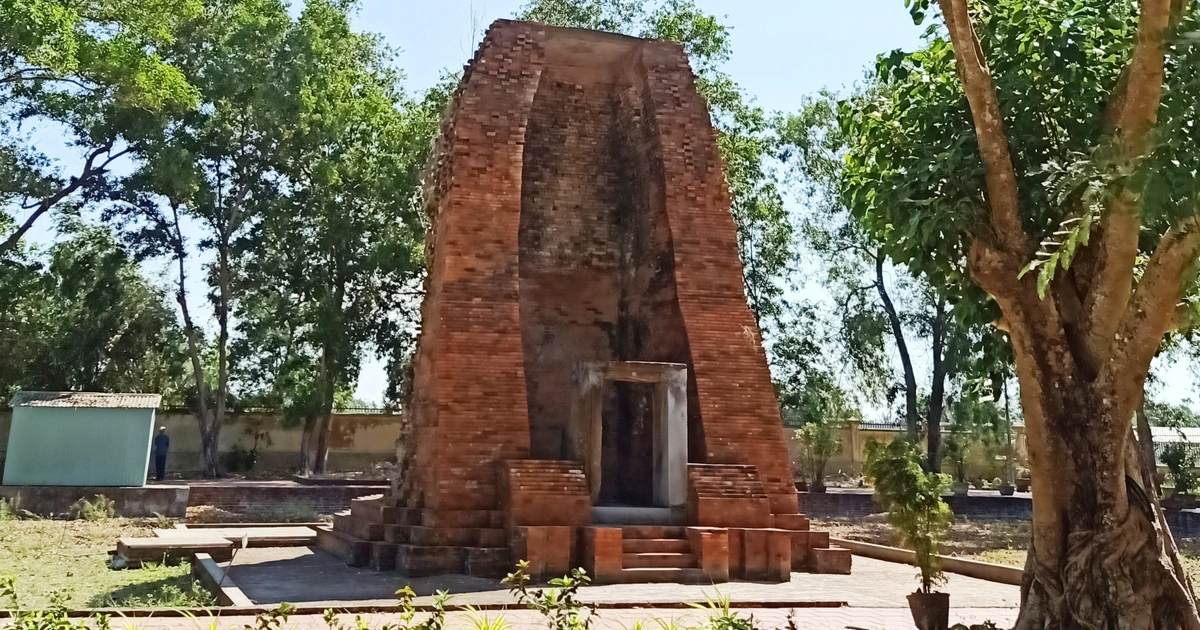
(276, 536)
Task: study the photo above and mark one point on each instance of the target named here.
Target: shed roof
(92, 400)
(1187, 435)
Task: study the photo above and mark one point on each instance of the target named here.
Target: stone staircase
(655, 553)
(376, 533)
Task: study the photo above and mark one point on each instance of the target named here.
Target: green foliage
(82, 317)
(819, 441)
(721, 615)
(1160, 414)
(54, 617)
(274, 619)
(1181, 459)
(10, 508)
(96, 73)
(100, 508)
(559, 605)
(913, 501)
(913, 173)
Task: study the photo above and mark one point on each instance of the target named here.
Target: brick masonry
(579, 213)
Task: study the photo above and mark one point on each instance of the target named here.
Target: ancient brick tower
(590, 388)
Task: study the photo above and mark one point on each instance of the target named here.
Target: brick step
(673, 575)
(653, 531)
(835, 560)
(383, 556)
(459, 518)
(658, 560)
(358, 527)
(374, 511)
(418, 561)
(353, 551)
(456, 536)
(656, 545)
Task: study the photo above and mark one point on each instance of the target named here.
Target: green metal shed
(79, 439)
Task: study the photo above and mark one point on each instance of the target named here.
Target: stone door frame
(585, 428)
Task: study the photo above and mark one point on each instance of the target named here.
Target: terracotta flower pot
(930, 611)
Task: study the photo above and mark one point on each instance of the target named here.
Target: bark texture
(1101, 555)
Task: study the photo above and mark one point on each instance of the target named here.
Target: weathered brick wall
(580, 213)
(251, 497)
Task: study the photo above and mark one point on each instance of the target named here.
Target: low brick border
(989, 571)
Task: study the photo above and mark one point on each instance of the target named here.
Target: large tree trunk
(943, 353)
(1101, 555)
(210, 448)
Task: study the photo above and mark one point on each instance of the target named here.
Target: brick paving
(301, 575)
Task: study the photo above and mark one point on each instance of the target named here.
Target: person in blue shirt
(162, 444)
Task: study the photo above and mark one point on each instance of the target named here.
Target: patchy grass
(69, 559)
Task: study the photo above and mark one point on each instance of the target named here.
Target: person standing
(162, 444)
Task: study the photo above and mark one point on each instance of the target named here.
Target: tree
(212, 171)
(869, 312)
(93, 70)
(819, 441)
(744, 132)
(1072, 125)
(86, 320)
(345, 237)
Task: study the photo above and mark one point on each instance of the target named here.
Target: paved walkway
(622, 619)
(271, 575)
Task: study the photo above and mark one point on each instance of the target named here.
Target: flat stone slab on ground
(135, 551)
(269, 575)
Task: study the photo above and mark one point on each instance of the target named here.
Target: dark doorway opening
(627, 452)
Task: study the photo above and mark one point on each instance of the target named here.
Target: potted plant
(818, 442)
(914, 505)
(954, 450)
(1022, 479)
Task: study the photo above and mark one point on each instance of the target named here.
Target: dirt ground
(1002, 542)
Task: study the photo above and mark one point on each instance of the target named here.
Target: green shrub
(1180, 458)
(560, 605)
(10, 509)
(913, 501)
(100, 509)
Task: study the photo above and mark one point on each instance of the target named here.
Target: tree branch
(90, 170)
(1001, 177)
(1135, 108)
(1150, 315)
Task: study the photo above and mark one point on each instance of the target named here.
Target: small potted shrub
(1022, 479)
(819, 441)
(914, 505)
